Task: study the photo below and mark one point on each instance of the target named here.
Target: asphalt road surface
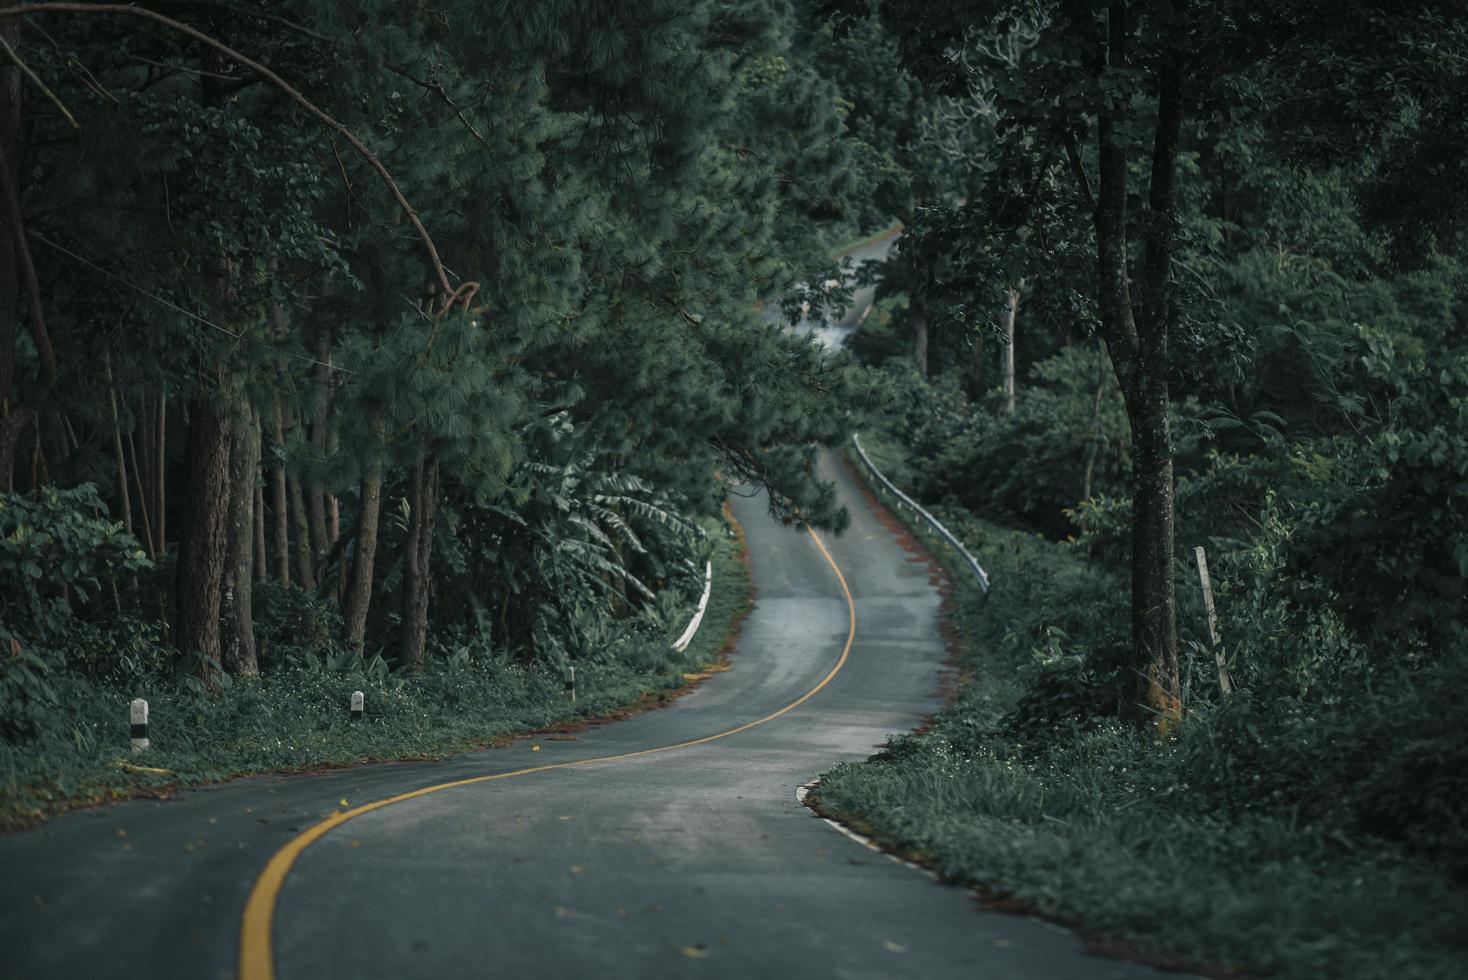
(674, 860)
(834, 334)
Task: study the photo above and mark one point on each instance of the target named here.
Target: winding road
(670, 844)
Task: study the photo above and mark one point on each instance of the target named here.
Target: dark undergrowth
(1298, 835)
(296, 715)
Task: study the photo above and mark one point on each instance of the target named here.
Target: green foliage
(1260, 839)
(1025, 467)
(295, 715)
(56, 550)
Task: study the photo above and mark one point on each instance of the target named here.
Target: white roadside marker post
(137, 714)
(1225, 683)
(358, 702)
(571, 683)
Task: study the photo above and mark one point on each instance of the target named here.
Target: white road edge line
(801, 792)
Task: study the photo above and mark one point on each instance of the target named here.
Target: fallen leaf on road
(695, 952)
(892, 947)
(577, 869)
(535, 748)
(344, 802)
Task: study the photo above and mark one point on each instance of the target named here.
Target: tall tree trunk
(1009, 321)
(239, 643)
(1093, 447)
(123, 499)
(359, 589)
(320, 409)
(203, 540)
(976, 368)
(13, 416)
(13, 421)
(305, 567)
(278, 500)
(917, 321)
(1154, 619)
(142, 489)
(261, 568)
(423, 499)
(1139, 356)
(160, 473)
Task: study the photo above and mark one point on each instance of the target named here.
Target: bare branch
(10, 207)
(55, 99)
(462, 295)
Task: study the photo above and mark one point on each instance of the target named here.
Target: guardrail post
(570, 676)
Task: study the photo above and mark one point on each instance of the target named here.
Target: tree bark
(160, 524)
(203, 540)
(123, 498)
(261, 571)
(305, 567)
(1154, 617)
(359, 588)
(239, 643)
(320, 408)
(917, 321)
(278, 501)
(142, 491)
(1138, 349)
(13, 421)
(1008, 319)
(13, 417)
(1093, 449)
(976, 368)
(423, 500)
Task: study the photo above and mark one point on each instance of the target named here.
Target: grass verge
(1089, 822)
(296, 718)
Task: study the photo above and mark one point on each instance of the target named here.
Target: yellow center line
(257, 958)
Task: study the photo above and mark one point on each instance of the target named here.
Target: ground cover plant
(296, 715)
(1298, 834)
(1193, 299)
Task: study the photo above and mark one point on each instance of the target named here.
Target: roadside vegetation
(348, 347)
(295, 714)
(1298, 813)
(414, 350)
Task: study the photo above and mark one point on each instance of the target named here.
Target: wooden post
(1225, 683)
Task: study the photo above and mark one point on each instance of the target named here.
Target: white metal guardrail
(682, 642)
(942, 532)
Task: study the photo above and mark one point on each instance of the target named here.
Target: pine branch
(452, 297)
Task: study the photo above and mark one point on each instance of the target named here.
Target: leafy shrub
(56, 547)
(291, 624)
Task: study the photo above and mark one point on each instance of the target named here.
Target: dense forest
(446, 340)
(385, 344)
